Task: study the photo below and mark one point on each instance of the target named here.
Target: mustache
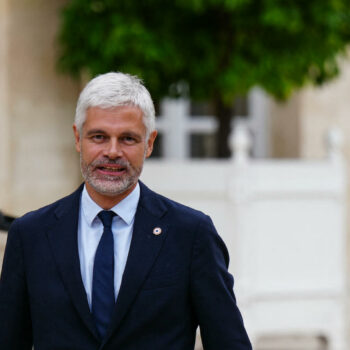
(106, 161)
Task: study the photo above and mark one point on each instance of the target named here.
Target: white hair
(116, 89)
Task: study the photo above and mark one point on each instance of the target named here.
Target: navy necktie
(103, 298)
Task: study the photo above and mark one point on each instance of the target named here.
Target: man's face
(112, 146)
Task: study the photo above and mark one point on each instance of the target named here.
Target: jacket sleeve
(15, 322)
(219, 319)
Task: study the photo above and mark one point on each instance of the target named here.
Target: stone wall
(37, 107)
(299, 125)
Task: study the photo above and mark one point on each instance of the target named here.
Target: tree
(219, 48)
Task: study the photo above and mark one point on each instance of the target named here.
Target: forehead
(114, 118)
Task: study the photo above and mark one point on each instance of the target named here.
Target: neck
(107, 201)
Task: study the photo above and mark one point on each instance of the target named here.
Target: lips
(108, 169)
(111, 168)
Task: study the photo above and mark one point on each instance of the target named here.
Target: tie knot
(106, 216)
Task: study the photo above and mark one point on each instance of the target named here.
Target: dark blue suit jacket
(172, 283)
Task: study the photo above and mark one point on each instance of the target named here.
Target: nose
(113, 149)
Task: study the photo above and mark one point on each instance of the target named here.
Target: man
(115, 266)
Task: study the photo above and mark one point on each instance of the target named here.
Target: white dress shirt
(90, 229)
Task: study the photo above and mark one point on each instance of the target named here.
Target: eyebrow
(131, 133)
(95, 131)
(126, 133)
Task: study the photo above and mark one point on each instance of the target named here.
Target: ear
(150, 142)
(76, 137)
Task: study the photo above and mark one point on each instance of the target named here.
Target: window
(187, 129)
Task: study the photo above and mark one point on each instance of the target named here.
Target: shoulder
(44, 215)
(185, 222)
(159, 205)
(208, 246)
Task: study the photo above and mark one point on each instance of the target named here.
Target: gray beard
(109, 185)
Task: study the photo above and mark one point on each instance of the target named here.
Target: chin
(111, 188)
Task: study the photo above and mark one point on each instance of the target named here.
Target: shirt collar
(125, 209)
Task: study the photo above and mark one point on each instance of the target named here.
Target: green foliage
(221, 48)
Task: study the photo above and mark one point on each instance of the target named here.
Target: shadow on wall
(3, 238)
(5, 221)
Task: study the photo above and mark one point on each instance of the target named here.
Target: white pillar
(334, 143)
(176, 140)
(259, 119)
(240, 142)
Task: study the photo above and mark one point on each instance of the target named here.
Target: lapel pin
(157, 231)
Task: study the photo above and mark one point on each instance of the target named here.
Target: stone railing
(284, 223)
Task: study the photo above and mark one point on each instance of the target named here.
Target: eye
(129, 140)
(98, 138)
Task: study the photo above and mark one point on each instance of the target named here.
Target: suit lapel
(63, 239)
(144, 249)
